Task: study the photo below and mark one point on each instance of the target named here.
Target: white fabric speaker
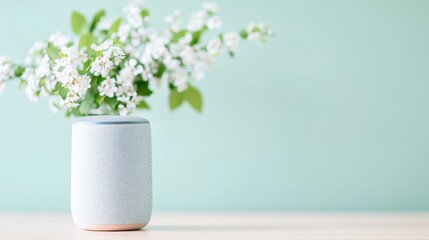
(111, 173)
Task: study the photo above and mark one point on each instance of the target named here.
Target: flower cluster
(6, 71)
(66, 70)
(109, 56)
(114, 65)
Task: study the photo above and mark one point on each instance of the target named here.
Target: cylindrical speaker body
(111, 173)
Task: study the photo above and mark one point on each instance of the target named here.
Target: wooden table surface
(223, 226)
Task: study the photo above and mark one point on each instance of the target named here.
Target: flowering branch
(115, 64)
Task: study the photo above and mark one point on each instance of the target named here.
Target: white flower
(251, 27)
(179, 78)
(102, 47)
(43, 67)
(129, 100)
(186, 40)
(81, 84)
(124, 32)
(4, 60)
(188, 55)
(111, 55)
(66, 71)
(126, 76)
(37, 47)
(104, 24)
(108, 88)
(125, 92)
(146, 73)
(132, 104)
(132, 14)
(175, 49)
(101, 66)
(211, 7)
(32, 87)
(214, 22)
(171, 63)
(135, 38)
(71, 100)
(231, 41)
(123, 111)
(214, 47)
(117, 54)
(66, 76)
(197, 73)
(195, 25)
(254, 36)
(59, 40)
(72, 58)
(197, 21)
(173, 17)
(56, 103)
(132, 62)
(6, 71)
(258, 32)
(204, 59)
(50, 83)
(174, 21)
(155, 48)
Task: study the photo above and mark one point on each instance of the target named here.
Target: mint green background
(331, 114)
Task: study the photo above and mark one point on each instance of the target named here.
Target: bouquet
(112, 66)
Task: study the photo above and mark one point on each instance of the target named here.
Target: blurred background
(330, 115)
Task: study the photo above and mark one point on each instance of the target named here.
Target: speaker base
(115, 227)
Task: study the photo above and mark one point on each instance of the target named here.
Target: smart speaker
(111, 173)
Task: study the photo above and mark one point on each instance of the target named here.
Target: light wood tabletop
(223, 226)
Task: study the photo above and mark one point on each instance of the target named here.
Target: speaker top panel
(109, 120)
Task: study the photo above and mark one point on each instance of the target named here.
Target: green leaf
(22, 83)
(86, 40)
(243, 34)
(86, 65)
(86, 104)
(42, 82)
(68, 113)
(19, 71)
(99, 99)
(62, 91)
(95, 81)
(196, 36)
(143, 105)
(56, 90)
(96, 19)
(171, 86)
(143, 88)
(144, 13)
(75, 112)
(52, 51)
(112, 102)
(176, 99)
(194, 97)
(78, 23)
(115, 26)
(178, 35)
(160, 70)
